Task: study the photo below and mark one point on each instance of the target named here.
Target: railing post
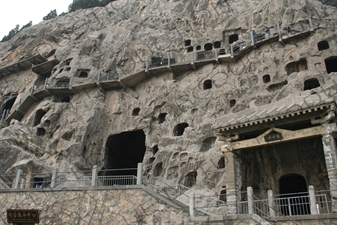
(139, 173)
(192, 58)
(147, 65)
(271, 203)
(45, 83)
(312, 197)
(53, 178)
(232, 53)
(3, 115)
(99, 77)
(250, 200)
(289, 206)
(279, 31)
(168, 60)
(22, 184)
(192, 205)
(94, 176)
(310, 23)
(216, 54)
(252, 37)
(17, 179)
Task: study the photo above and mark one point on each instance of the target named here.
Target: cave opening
(323, 45)
(6, 108)
(262, 167)
(232, 38)
(208, 46)
(38, 116)
(294, 196)
(331, 64)
(311, 84)
(123, 152)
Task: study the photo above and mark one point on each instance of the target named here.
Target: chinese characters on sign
(23, 216)
(273, 137)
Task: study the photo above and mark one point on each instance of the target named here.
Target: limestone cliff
(175, 108)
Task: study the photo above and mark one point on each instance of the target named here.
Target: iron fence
(324, 202)
(116, 180)
(242, 207)
(295, 204)
(261, 207)
(204, 201)
(108, 76)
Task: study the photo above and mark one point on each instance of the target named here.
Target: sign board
(273, 137)
(27, 216)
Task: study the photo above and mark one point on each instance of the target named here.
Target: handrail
(180, 58)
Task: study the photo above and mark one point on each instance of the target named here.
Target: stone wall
(119, 39)
(128, 206)
(107, 207)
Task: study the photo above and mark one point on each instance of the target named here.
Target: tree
(86, 4)
(15, 30)
(11, 33)
(27, 25)
(51, 15)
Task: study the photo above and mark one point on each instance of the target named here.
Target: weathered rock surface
(118, 39)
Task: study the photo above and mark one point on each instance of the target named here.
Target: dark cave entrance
(123, 152)
(276, 166)
(294, 197)
(6, 108)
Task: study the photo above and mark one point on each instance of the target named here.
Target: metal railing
(203, 201)
(324, 202)
(172, 191)
(261, 207)
(172, 58)
(288, 205)
(108, 76)
(296, 204)
(116, 180)
(63, 181)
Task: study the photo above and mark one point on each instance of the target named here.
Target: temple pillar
(330, 154)
(231, 189)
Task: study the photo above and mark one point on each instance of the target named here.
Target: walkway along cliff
(173, 112)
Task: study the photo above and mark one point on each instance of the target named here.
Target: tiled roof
(274, 111)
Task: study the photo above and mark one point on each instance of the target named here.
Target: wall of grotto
(119, 39)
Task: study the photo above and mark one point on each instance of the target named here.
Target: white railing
(173, 191)
(294, 205)
(116, 180)
(324, 202)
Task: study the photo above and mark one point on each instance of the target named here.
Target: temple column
(230, 174)
(330, 154)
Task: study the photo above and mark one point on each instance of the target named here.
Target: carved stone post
(329, 148)
(312, 197)
(139, 173)
(53, 178)
(17, 179)
(94, 176)
(250, 200)
(271, 203)
(230, 174)
(192, 205)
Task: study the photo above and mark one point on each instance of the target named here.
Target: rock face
(161, 118)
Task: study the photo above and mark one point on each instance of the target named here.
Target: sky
(13, 12)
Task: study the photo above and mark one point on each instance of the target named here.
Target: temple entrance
(294, 197)
(123, 152)
(286, 168)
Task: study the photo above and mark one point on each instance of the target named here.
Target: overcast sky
(20, 12)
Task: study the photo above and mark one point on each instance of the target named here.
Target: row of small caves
(209, 46)
(296, 66)
(119, 146)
